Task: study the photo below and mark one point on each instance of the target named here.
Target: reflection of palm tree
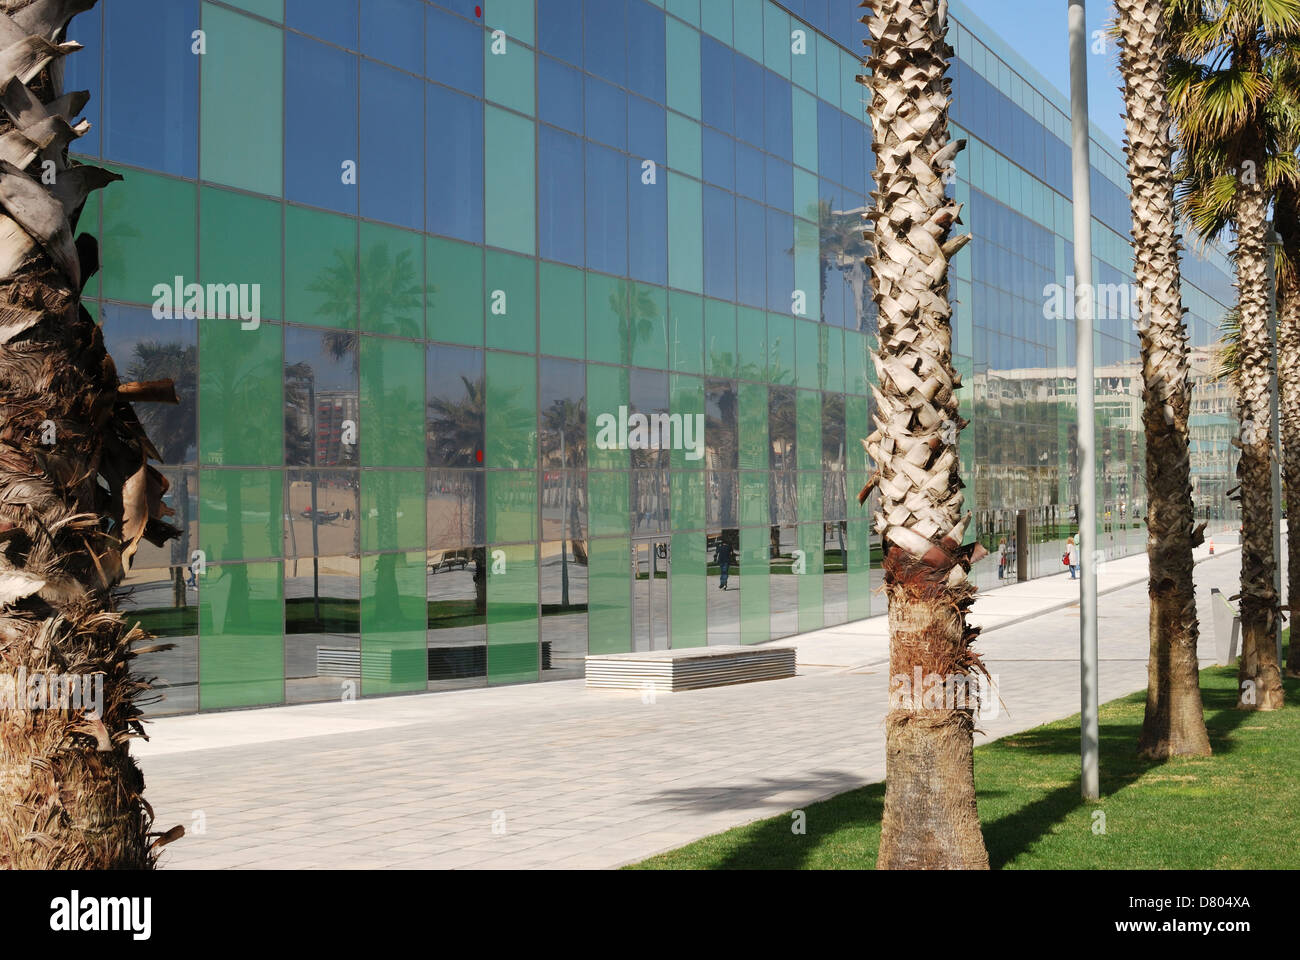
(390, 293)
(454, 438)
(841, 247)
(564, 438)
(173, 425)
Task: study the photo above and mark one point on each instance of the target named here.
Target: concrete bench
(1227, 628)
(691, 669)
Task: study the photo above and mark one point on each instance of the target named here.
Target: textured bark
(1259, 675)
(930, 818)
(1286, 215)
(72, 511)
(1174, 723)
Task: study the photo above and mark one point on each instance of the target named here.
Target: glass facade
(559, 323)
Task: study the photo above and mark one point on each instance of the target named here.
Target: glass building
(541, 302)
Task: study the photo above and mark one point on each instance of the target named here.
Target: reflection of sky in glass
(309, 346)
(127, 327)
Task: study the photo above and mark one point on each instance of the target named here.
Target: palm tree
(930, 820)
(1286, 215)
(77, 493)
(1221, 89)
(1174, 723)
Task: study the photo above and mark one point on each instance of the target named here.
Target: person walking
(1072, 558)
(724, 557)
(1002, 558)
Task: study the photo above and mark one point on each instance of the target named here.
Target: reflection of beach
(449, 520)
(338, 537)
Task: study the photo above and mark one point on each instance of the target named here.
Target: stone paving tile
(586, 780)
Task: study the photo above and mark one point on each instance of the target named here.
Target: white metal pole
(1086, 391)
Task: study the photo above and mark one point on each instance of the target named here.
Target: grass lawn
(1239, 809)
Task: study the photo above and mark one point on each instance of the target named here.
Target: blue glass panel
(560, 204)
(778, 124)
(606, 110)
(749, 172)
(780, 184)
(320, 123)
(393, 31)
(392, 146)
(829, 136)
(559, 95)
(749, 101)
(454, 169)
(332, 20)
(855, 162)
(719, 244)
(82, 72)
(557, 29)
(751, 254)
(645, 50)
(454, 51)
(719, 159)
(780, 260)
(605, 39)
(647, 132)
(606, 211)
(151, 83)
(647, 218)
(716, 85)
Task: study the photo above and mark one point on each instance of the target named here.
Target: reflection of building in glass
(642, 206)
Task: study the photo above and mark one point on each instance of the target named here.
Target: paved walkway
(554, 775)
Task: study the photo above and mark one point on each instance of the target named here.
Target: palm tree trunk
(70, 792)
(1259, 675)
(1174, 723)
(1287, 216)
(930, 819)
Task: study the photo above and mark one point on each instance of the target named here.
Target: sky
(1037, 30)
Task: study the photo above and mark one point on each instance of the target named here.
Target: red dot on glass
(478, 455)
(478, 11)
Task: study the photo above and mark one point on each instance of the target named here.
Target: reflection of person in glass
(724, 558)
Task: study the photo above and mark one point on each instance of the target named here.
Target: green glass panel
(858, 542)
(241, 380)
(392, 403)
(776, 39)
(515, 17)
(394, 624)
(828, 70)
(755, 602)
(511, 284)
(562, 311)
(687, 401)
(241, 630)
(454, 291)
(392, 510)
(751, 332)
(609, 615)
(687, 495)
(686, 332)
(239, 514)
(752, 424)
(857, 427)
(747, 28)
(271, 9)
(808, 431)
(607, 391)
(689, 580)
(812, 615)
(807, 354)
(684, 147)
(609, 509)
(148, 237)
(512, 615)
(511, 411)
(834, 352)
(392, 291)
(857, 362)
(648, 314)
(510, 217)
(683, 67)
(810, 491)
(242, 89)
(688, 10)
(720, 356)
(686, 228)
(803, 60)
(512, 506)
(508, 71)
(781, 348)
(754, 499)
(715, 19)
(320, 269)
(241, 241)
(607, 314)
(807, 268)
